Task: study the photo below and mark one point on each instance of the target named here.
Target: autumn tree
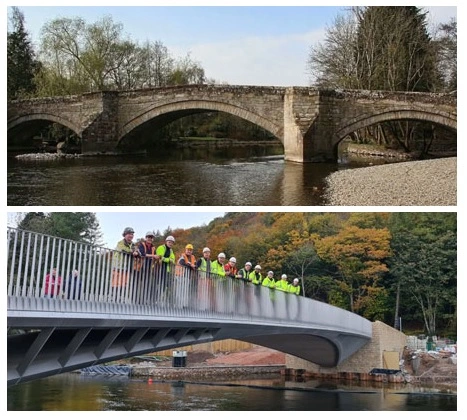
(359, 255)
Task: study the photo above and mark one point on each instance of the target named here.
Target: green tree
(424, 265)
(79, 226)
(86, 53)
(377, 48)
(186, 72)
(301, 261)
(394, 49)
(21, 62)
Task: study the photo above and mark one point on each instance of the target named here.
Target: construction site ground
(440, 367)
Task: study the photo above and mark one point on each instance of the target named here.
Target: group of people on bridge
(143, 272)
(161, 263)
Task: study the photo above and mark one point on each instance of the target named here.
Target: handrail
(113, 283)
(106, 275)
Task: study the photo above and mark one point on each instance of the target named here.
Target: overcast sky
(261, 45)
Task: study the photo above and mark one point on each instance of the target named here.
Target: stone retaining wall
(370, 356)
(204, 372)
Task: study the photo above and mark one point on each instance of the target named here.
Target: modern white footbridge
(102, 318)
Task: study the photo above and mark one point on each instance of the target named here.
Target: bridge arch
(17, 122)
(438, 117)
(192, 106)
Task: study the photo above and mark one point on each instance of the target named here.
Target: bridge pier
(101, 135)
(305, 139)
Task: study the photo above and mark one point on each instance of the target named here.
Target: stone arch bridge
(309, 122)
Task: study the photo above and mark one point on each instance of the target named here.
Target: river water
(75, 392)
(243, 176)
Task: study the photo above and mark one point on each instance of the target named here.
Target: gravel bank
(419, 183)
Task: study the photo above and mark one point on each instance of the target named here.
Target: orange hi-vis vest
(180, 269)
(139, 261)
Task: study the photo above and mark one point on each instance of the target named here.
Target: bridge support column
(307, 137)
(293, 136)
(101, 136)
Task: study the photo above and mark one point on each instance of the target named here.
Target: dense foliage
(386, 48)
(80, 226)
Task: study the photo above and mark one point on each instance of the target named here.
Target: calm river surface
(245, 176)
(74, 392)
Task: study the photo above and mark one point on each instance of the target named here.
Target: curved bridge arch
(67, 335)
(439, 117)
(188, 105)
(16, 122)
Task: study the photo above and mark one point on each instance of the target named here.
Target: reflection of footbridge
(102, 317)
(310, 122)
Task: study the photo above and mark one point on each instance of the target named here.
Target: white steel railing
(46, 267)
(43, 266)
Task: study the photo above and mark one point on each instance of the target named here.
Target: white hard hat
(270, 272)
(206, 250)
(248, 263)
(284, 276)
(221, 255)
(233, 259)
(257, 267)
(170, 238)
(295, 280)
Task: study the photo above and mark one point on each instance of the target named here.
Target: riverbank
(419, 183)
(433, 370)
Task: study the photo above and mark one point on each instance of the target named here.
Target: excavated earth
(432, 368)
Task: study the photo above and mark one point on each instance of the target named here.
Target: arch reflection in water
(167, 181)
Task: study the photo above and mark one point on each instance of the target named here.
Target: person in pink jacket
(52, 284)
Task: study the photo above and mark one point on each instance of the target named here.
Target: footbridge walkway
(118, 306)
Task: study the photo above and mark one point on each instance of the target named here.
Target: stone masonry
(370, 356)
(309, 122)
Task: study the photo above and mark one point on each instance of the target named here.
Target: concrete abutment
(379, 353)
